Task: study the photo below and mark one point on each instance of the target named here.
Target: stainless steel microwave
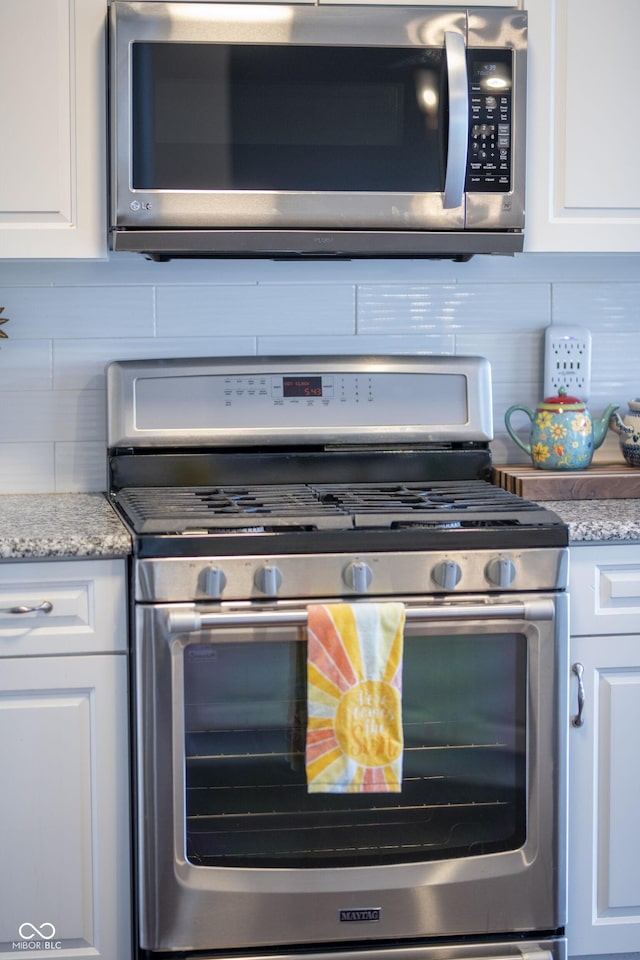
(317, 130)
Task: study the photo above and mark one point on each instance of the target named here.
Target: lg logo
(136, 205)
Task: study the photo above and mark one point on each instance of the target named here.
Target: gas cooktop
(298, 517)
(321, 507)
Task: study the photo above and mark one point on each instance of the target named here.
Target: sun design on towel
(354, 692)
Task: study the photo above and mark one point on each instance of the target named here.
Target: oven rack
(246, 799)
(427, 832)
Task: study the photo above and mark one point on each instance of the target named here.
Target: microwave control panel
(490, 122)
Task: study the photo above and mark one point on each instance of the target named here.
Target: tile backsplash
(70, 318)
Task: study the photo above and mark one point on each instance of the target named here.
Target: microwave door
(297, 136)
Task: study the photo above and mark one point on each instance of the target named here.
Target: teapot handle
(507, 421)
(617, 424)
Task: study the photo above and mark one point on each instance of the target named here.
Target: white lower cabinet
(604, 777)
(64, 804)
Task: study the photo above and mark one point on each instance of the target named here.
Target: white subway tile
(26, 467)
(252, 310)
(26, 364)
(611, 308)
(68, 320)
(80, 415)
(41, 415)
(519, 355)
(80, 467)
(81, 363)
(425, 344)
(615, 367)
(132, 269)
(409, 308)
(66, 312)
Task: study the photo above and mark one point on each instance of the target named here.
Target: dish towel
(354, 697)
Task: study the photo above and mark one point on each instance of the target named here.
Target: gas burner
(429, 525)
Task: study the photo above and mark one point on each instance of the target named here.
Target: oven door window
(288, 117)
(464, 778)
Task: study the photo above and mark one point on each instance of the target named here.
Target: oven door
(233, 850)
(299, 117)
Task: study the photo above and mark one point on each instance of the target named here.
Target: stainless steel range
(281, 507)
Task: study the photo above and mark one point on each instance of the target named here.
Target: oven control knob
(447, 574)
(500, 572)
(358, 576)
(268, 579)
(214, 581)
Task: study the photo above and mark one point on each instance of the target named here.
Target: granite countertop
(599, 520)
(68, 525)
(60, 526)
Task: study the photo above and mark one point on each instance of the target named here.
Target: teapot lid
(563, 400)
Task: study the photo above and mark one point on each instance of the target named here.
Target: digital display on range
(302, 386)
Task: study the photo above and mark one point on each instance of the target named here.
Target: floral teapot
(629, 430)
(563, 436)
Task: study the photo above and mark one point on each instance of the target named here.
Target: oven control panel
(299, 399)
(305, 400)
(426, 573)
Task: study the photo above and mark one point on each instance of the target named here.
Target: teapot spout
(601, 426)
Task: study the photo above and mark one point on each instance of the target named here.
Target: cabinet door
(62, 607)
(583, 190)
(64, 807)
(52, 123)
(604, 813)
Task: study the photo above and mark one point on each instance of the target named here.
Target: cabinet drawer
(605, 589)
(82, 607)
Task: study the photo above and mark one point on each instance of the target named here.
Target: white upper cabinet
(52, 128)
(583, 139)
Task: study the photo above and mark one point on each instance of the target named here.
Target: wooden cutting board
(607, 481)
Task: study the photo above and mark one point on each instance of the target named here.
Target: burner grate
(417, 497)
(316, 506)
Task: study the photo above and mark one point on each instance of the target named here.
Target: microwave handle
(456, 61)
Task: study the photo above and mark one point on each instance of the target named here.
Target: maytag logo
(358, 916)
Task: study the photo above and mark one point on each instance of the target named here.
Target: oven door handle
(192, 620)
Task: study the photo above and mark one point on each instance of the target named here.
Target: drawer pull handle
(578, 720)
(45, 607)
